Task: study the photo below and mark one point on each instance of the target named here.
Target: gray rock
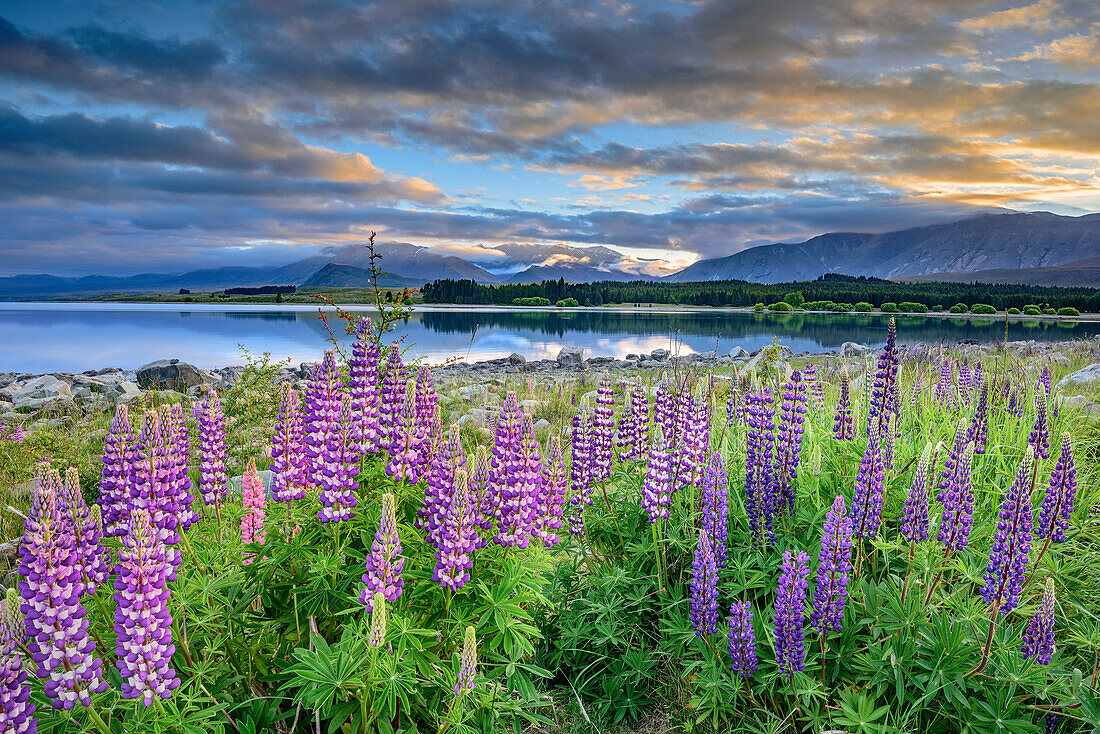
(1082, 403)
(571, 357)
(41, 391)
(1085, 376)
(852, 349)
(659, 355)
(541, 424)
(600, 360)
(649, 363)
(515, 358)
(170, 374)
(632, 358)
(625, 363)
(739, 352)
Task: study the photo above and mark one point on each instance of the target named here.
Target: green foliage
(1049, 311)
(1068, 311)
(758, 307)
(959, 308)
(983, 308)
(567, 303)
(1032, 311)
(863, 307)
(888, 307)
(841, 307)
(1014, 311)
(795, 298)
(780, 306)
(910, 307)
(531, 301)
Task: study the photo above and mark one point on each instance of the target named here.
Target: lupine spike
(957, 493)
(715, 501)
(322, 421)
(866, 511)
(339, 464)
(979, 426)
(467, 668)
(254, 501)
(213, 474)
(1061, 493)
(552, 495)
(742, 639)
(790, 614)
(288, 460)
(843, 427)
(391, 398)
(1040, 433)
(16, 708)
(377, 635)
(1004, 575)
(760, 490)
(834, 567)
(704, 587)
(788, 439)
(385, 562)
(117, 448)
(1039, 635)
(363, 381)
(657, 486)
(914, 526)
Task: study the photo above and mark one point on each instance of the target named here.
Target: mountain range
(1037, 248)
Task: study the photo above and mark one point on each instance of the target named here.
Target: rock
(41, 391)
(170, 374)
(632, 358)
(1082, 403)
(571, 357)
(541, 424)
(600, 360)
(7, 393)
(625, 363)
(852, 349)
(515, 358)
(649, 363)
(739, 353)
(1085, 376)
(659, 355)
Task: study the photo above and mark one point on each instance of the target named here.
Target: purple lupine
(454, 556)
(944, 392)
(866, 511)
(834, 566)
(580, 472)
(790, 613)
(90, 556)
(119, 445)
(552, 491)
(914, 526)
(1039, 635)
(288, 467)
(742, 639)
(788, 439)
(759, 468)
(1040, 433)
(363, 387)
(883, 390)
(213, 474)
(704, 587)
(715, 506)
(965, 380)
(408, 442)
(56, 630)
(426, 399)
(633, 430)
(734, 407)
(518, 501)
(1045, 379)
(682, 410)
(467, 666)
(391, 398)
(602, 427)
(180, 454)
(16, 708)
(956, 493)
(440, 485)
(657, 486)
(339, 464)
(1004, 575)
(694, 437)
(1058, 502)
(664, 409)
(504, 458)
(152, 486)
(321, 419)
(843, 426)
(814, 387)
(479, 491)
(887, 443)
(384, 562)
(142, 619)
(979, 425)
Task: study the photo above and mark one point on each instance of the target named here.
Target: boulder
(170, 374)
(571, 357)
(41, 391)
(516, 358)
(1084, 404)
(632, 358)
(852, 349)
(541, 424)
(1085, 376)
(739, 353)
(659, 355)
(600, 360)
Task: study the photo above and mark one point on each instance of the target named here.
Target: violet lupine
(467, 666)
(339, 462)
(956, 493)
(759, 468)
(254, 501)
(142, 619)
(1040, 433)
(664, 409)
(391, 398)
(1004, 574)
(979, 424)
(321, 419)
(57, 632)
(882, 403)
(426, 398)
(814, 387)
(834, 566)
(454, 556)
(288, 467)
(603, 425)
(715, 506)
(788, 439)
(734, 407)
(385, 562)
(790, 613)
(887, 443)
(152, 485)
(16, 708)
(843, 427)
(90, 556)
(213, 474)
(944, 392)
(408, 442)
(363, 387)
(117, 456)
(552, 491)
(504, 459)
(657, 486)
(580, 473)
(1045, 379)
(1061, 493)
(693, 440)
(704, 587)
(965, 379)
(866, 511)
(741, 639)
(180, 476)
(520, 495)
(914, 525)
(480, 493)
(440, 485)
(633, 425)
(1039, 635)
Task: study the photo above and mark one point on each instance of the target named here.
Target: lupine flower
(715, 503)
(518, 501)
(944, 391)
(602, 426)
(1004, 575)
(426, 399)
(1040, 434)
(866, 511)
(580, 469)
(180, 446)
(377, 620)
(704, 587)
(385, 562)
(788, 439)
(287, 452)
(480, 493)
(142, 620)
(254, 500)
(324, 394)
(683, 408)
(1045, 380)
(964, 379)
(16, 709)
(507, 439)
(391, 398)
(956, 493)
(790, 614)
(1039, 635)
(552, 491)
(439, 487)
(843, 428)
(363, 387)
(813, 386)
(407, 442)
(58, 639)
(1058, 502)
(742, 639)
(633, 434)
(212, 454)
(657, 487)
(759, 469)
(467, 667)
(152, 485)
(454, 556)
(834, 565)
(734, 407)
(883, 390)
(90, 556)
(692, 439)
(664, 409)
(339, 463)
(914, 526)
(117, 450)
(979, 426)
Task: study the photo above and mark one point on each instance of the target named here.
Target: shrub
(910, 307)
(817, 305)
(1032, 311)
(888, 307)
(567, 303)
(938, 308)
(531, 301)
(959, 308)
(1049, 311)
(863, 307)
(1014, 311)
(841, 307)
(1068, 311)
(780, 306)
(982, 308)
(796, 299)
(758, 307)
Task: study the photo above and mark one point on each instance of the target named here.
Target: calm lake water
(72, 337)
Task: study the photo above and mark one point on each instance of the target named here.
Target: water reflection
(74, 337)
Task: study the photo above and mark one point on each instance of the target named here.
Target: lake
(72, 337)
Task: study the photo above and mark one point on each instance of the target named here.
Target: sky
(159, 137)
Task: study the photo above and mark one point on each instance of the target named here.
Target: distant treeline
(263, 290)
(831, 287)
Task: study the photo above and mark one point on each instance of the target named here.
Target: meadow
(904, 544)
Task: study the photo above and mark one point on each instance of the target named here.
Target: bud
(378, 620)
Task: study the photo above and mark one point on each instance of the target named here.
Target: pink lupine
(254, 501)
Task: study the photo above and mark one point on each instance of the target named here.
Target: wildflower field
(904, 545)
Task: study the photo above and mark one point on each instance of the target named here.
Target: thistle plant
(385, 562)
(790, 614)
(742, 639)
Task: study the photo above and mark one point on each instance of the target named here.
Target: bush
(888, 307)
(910, 307)
(818, 305)
(938, 308)
(1049, 311)
(959, 308)
(1068, 311)
(758, 307)
(1014, 311)
(982, 308)
(532, 301)
(796, 299)
(781, 306)
(1032, 311)
(567, 303)
(841, 307)
(863, 307)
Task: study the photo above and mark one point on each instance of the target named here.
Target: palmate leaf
(858, 713)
